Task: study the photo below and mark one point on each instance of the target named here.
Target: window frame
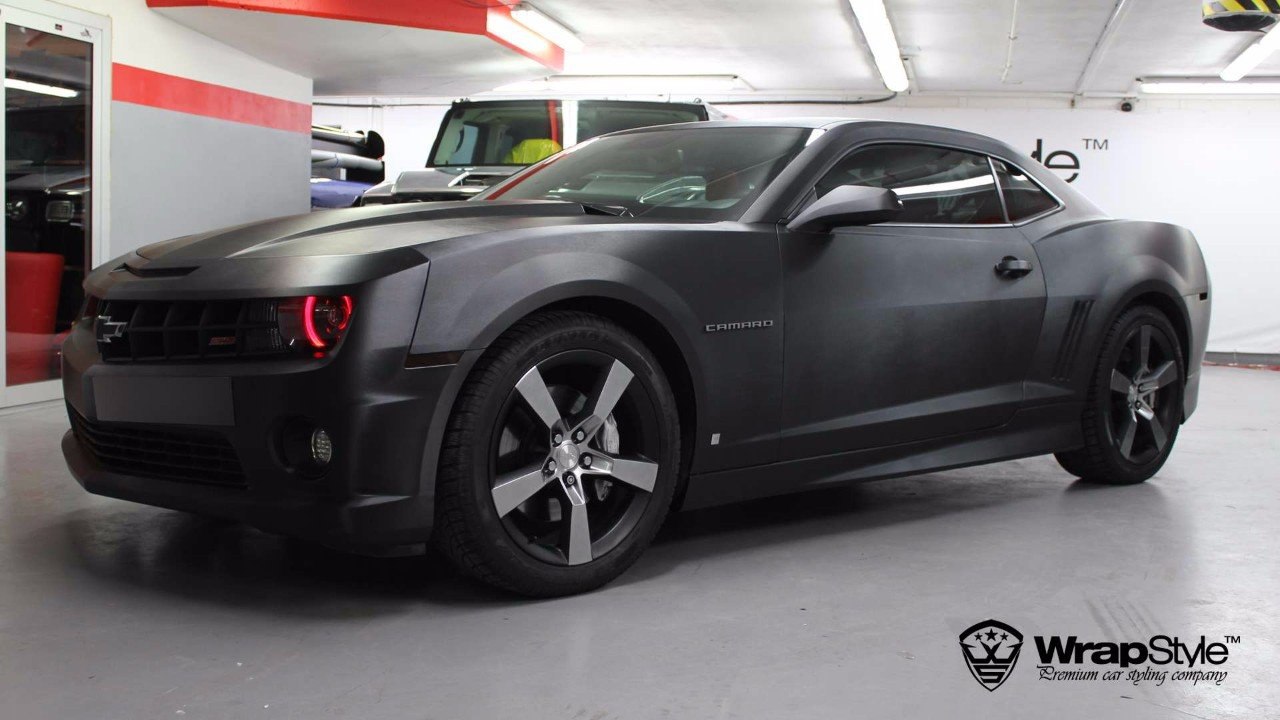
(990, 157)
(1058, 204)
(58, 19)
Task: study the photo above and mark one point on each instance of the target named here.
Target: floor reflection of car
(46, 211)
(482, 142)
(344, 164)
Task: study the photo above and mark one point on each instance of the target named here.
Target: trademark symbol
(1232, 639)
(1096, 143)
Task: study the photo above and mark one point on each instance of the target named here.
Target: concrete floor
(839, 604)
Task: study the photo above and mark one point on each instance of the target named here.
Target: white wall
(144, 38)
(171, 173)
(1212, 170)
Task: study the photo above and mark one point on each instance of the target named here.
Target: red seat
(33, 282)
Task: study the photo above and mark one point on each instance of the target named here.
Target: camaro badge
(991, 650)
(107, 329)
(748, 325)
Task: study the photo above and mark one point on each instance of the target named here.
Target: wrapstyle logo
(991, 649)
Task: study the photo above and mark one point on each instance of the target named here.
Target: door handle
(1011, 267)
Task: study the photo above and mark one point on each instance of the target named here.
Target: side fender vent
(1070, 345)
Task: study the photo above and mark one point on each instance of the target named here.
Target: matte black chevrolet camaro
(664, 317)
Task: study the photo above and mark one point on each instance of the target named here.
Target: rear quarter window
(1022, 196)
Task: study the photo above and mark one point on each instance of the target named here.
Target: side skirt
(1031, 431)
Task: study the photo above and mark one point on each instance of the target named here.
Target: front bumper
(384, 421)
(361, 523)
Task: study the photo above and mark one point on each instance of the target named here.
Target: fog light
(321, 447)
(305, 447)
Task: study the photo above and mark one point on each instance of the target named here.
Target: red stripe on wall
(170, 92)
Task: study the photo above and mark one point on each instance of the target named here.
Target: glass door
(52, 99)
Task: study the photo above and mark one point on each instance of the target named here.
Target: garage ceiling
(790, 48)
(957, 46)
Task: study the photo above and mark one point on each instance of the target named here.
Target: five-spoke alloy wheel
(1134, 406)
(564, 488)
(561, 457)
(1144, 390)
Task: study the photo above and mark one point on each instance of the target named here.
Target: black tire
(1122, 445)
(497, 439)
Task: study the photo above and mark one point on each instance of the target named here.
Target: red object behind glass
(32, 284)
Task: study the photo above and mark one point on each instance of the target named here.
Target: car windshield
(522, 132)
(699, 173)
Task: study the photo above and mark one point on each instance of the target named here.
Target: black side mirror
(848, 205)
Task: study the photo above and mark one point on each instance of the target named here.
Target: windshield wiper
(602, 209)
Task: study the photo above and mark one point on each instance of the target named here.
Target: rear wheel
(1134, 406)
(560, 459)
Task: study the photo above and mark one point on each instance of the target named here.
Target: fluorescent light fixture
(628, 84)
(1209, 87)
(41, 88)
(546, 26)
(1252, 57)
(502, 27)
(874, 21)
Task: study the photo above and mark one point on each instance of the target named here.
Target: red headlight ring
(335, 316)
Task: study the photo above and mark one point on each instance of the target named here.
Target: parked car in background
(481, 143)
(344, 165)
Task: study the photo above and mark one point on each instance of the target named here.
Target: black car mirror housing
(848, 205)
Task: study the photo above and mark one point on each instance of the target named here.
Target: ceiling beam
(1100, 47)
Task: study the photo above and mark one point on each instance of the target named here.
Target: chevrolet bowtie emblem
(108, 329)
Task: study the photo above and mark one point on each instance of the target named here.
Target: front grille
(158, 330)
(171, 453)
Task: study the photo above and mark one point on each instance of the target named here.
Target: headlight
(317, 321)
(15, 210)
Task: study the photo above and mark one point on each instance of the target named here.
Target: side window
(1022, 195)
(936, 185)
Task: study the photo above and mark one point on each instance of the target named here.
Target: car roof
(558, 98)
(813, 123)
(910, 130)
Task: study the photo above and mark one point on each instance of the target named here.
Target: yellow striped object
(1241, 14)
(1236, 6)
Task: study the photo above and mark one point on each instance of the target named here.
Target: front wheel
(561, 457)
(1134, 406)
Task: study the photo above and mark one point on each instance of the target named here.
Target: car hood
(441, 182)
(358, 231)
(46, 178)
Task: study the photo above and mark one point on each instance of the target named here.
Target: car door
(911, 330)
